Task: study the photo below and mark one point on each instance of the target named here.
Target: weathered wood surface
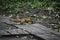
(6, 29)
(38, 30)
(12, 32)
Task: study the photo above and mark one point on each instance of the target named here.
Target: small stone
(52, 24)
(17, 36)
(24, 37)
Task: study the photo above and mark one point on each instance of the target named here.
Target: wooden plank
(4, 26)
(17, 31)
(2, 32)
(13, 32)
(6, 31)
(7, 20)
(46, 29)
(38, 30)
(40, 33)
